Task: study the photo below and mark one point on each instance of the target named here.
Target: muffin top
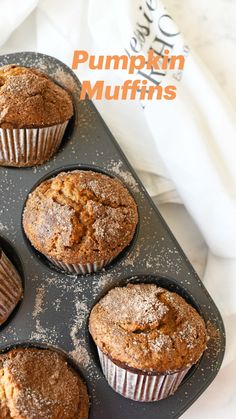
(29, 98)
(38, 384)
(11, 290)
(148, 328)
(80, 217)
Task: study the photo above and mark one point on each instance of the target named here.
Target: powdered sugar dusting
(134, 304)
(66, 80)
(214, 339)
(161, 342)
(79, 353)
(3, 227)
(44, 334)
(54, 218)
(188, 333)
(127, 177)
(64, 289)
(39, 299)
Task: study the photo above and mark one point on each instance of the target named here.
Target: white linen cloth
(183, 150)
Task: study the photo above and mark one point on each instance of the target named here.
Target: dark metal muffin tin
(55, 308)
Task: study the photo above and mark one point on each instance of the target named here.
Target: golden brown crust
(29, 98)
(148, 328)
(11, 290)
(38, 384)
(80, 217)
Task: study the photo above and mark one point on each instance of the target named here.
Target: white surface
(57, 27)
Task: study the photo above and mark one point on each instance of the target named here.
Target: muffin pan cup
(29, 146)
(140, 387)
(56, 306)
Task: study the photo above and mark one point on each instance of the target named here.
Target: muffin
(10, 287)
(80, 220)
(147, 339)
(34, 113)
(38, 383)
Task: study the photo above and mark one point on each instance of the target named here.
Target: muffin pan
(55, 308)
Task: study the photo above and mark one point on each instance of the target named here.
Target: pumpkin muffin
(80, 220)
(34, 113)
(39, 384)
(147, 338)
(10, 287)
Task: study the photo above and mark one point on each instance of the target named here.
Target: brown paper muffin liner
(29, 146)
(79, 268)
(140, 386)
(10, 287)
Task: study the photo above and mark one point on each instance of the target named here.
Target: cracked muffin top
(39, 384)
(148, 328)
(29, 98)
(80, 217)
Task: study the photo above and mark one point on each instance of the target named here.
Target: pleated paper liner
(79, 268)
(25, 147)
(140, 386)
(10, 287)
